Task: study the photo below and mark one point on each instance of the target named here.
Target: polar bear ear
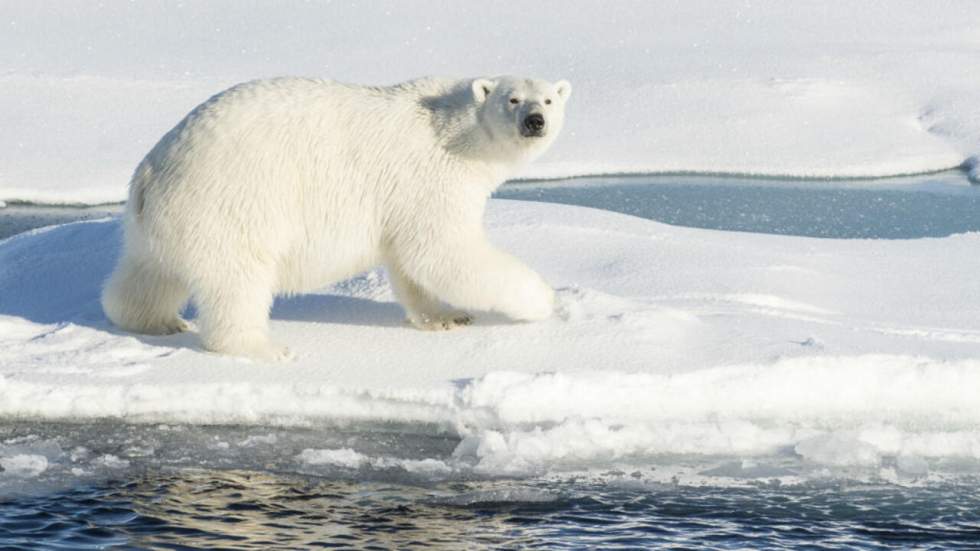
(563, 88)
(482, 88)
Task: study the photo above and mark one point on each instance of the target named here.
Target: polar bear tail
(137, 190)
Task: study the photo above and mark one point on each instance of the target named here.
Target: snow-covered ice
(23, 465)
(810, 88)
(666, 340)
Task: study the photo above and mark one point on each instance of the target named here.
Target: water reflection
(249, 510)
(197, 508)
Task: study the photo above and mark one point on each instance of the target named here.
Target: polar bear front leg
(524, 294)
(423, 310)
(466, 271)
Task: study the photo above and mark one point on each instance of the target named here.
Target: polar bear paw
(272, 352)
(176, 325)
(443, 321)
(160, 327)
(263, 352)
(251, 347)
(532, 301)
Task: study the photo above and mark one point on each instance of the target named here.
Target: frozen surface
(666, 341)
(811, 88)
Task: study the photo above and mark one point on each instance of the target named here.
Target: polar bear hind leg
(141, 297)
(233, 317)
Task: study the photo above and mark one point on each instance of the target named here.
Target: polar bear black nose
(534, 122)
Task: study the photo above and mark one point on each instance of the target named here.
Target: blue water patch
(935, 205)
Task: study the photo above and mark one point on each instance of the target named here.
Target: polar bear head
(521, 116)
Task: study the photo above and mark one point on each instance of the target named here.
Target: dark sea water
(233, 509)
(112, 485)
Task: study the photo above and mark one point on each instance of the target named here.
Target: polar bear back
(291, 131)
(305, 174)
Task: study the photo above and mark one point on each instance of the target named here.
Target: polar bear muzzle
(533, 126)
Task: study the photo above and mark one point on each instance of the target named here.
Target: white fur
(287, 185)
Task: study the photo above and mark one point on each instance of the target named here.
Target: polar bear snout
(533, 125)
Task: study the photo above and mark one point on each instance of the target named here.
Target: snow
(811, 88)
(838, 449)
(347, 458)
(344, 457)
(110, 461)
(23, 465)
(666, 340)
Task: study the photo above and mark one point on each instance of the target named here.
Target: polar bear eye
(514, 100)
(547, 102)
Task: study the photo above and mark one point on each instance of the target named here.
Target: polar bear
(286, 185)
